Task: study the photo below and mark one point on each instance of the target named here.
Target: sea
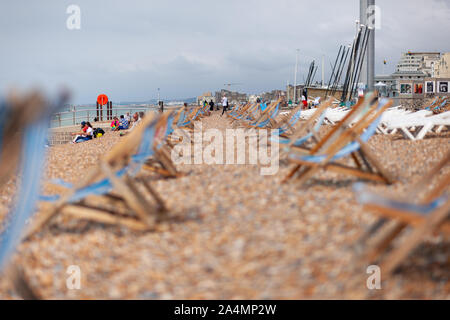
(74, 115)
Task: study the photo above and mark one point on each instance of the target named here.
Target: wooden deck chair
(308, 130)
(24, 124)
(430, 215)
(432, 104)
(187, 117)
(286, 123)
(161, 162)
(351, 142)
(237, 109)
(180, 121)
(266, 117)
(113, 181)
(359, 109)
(243, 113)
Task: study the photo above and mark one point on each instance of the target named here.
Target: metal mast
(363, 21)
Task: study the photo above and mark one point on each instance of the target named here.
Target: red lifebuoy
(102, 99)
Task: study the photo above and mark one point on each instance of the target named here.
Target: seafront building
(417, 75)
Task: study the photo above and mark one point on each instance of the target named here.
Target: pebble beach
(233, 233)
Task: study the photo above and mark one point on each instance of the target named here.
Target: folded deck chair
(350, 142)
(113, 181)
(24, 124)
(430, 215)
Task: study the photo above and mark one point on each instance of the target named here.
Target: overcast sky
(127, 49)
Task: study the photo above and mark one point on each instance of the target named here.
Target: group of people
(121, 124)
(88, 132)
(124, 122)
(211, 105)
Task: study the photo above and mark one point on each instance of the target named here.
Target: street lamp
(295, 76)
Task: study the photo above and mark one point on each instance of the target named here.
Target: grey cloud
(130, 48)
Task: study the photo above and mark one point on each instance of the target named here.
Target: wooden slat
(435, 222)
(103, 217)
(407, 217)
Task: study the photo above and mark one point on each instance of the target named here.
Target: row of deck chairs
(255, 115)
(347, 140)
(111, 193)
(413, 125)
(115, 179)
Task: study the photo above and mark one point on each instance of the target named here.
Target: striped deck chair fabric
(31, 167)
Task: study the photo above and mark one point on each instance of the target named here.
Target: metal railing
(75, 117)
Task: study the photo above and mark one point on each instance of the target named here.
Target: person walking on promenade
(211, 105)
(224, 104)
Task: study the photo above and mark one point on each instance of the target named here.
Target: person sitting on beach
(136, 120)
(80, 133)
(84, 135)
(128, 117)
(123, 123)
(115, 124)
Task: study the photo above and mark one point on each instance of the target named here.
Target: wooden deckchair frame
(369, 168)
(161, 162)
(308, 126)
(284, 121)
(131, 195)
(304, 129)
(335, 131)
(263, 116)
(385, 233)
(24, 111)
(238, 109)
(190, 118)
(247, 109)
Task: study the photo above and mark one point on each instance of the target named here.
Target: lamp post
(371, 52)
(368, 69)
(295, 76)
